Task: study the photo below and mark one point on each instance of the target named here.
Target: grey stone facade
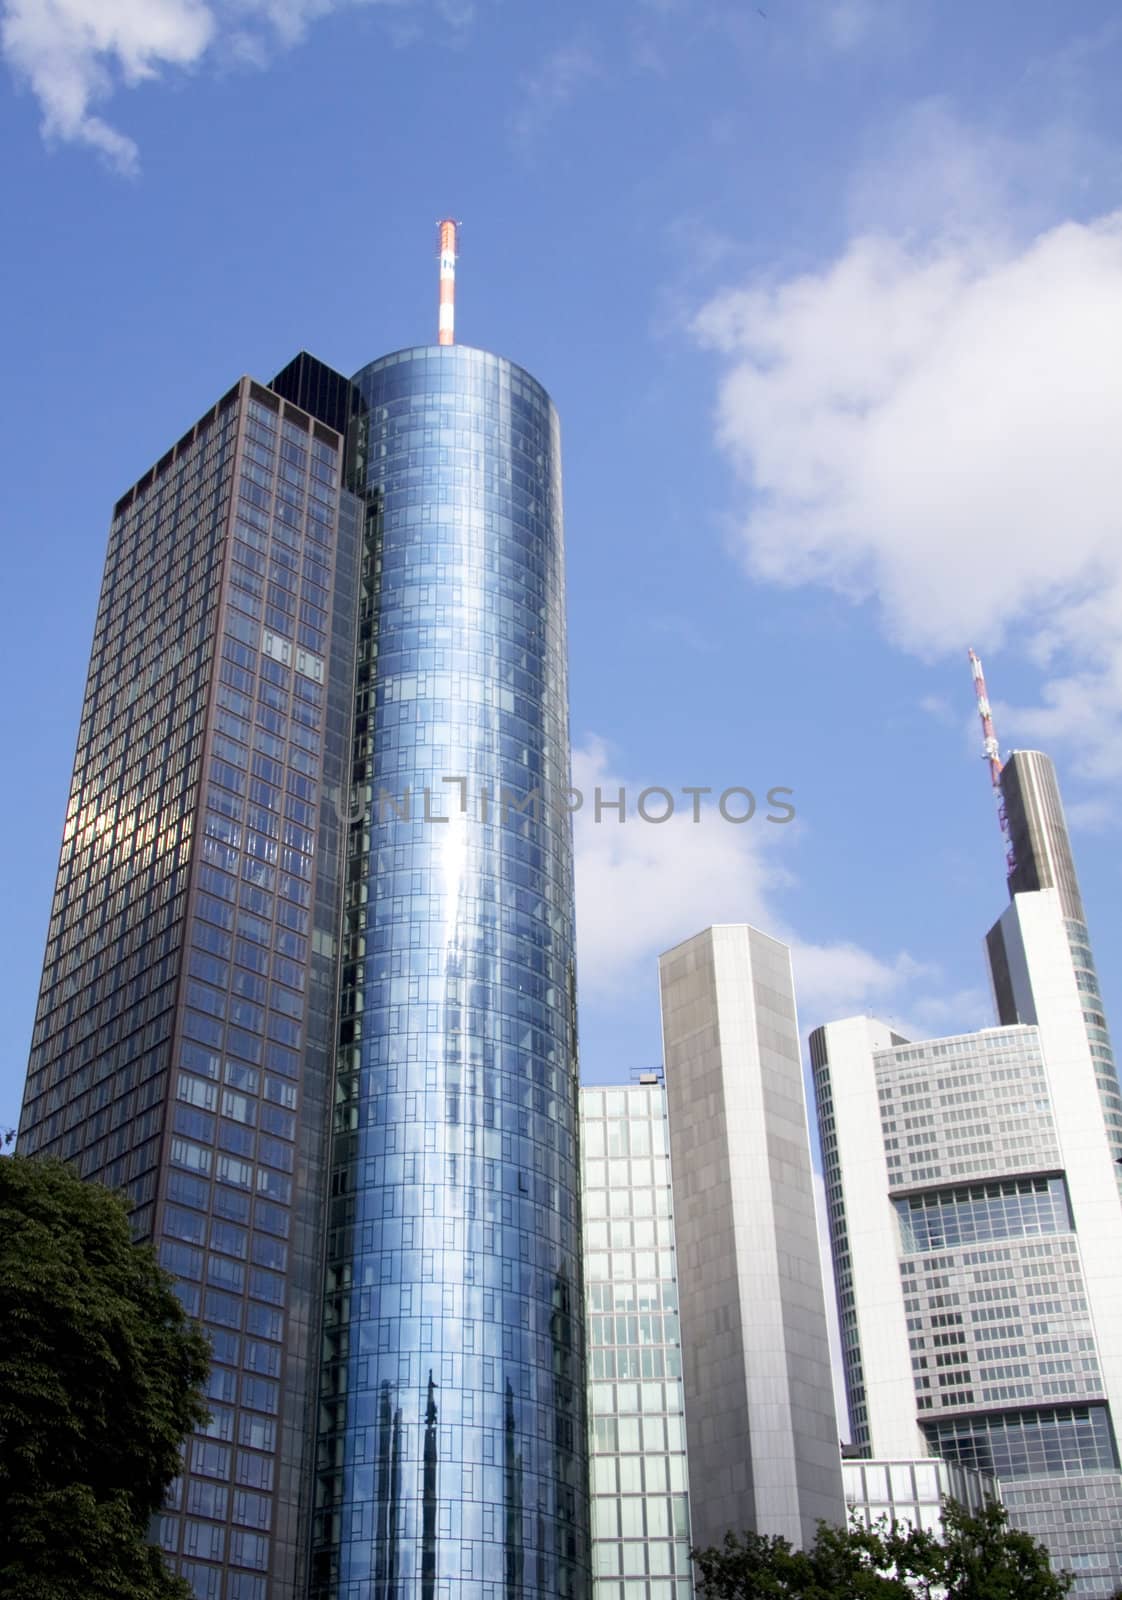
(760, 1418)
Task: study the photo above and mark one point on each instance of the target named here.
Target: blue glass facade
(452, 1442)
(1006, 1208)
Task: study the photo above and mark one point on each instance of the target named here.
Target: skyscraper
(184, 1039)
(1040, 930)
(309, 992)
(637, 1431)
(712, 1404)
(760, 1422)
(454, 1282)
(975, 1217)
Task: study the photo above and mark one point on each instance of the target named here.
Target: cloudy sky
(829, 295)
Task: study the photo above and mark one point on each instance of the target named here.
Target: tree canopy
(100, 1378)
(980, 1557)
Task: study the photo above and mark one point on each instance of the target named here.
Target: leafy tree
(100, 1377)
(983, 1558)
(849, 1563)
(979, 1558)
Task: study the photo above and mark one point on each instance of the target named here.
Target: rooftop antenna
(992, 755)
(446, 328)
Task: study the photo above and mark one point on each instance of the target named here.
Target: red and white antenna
(991, 754)
(446, 328)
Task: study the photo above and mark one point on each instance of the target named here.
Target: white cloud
(939, 707)
(838, 979)
(960, 1011)
(1091, 816)
(74, 54)
(933, 426)
(861, 29)
(927, 175)
(848, 23)
(546, 91)
(642, 887)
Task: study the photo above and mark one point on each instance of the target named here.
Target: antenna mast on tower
(446, 328)
(991, 755)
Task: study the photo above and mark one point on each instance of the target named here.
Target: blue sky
(829, 295)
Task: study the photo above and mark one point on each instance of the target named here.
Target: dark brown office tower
(184, 1036)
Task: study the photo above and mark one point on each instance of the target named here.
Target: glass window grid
(499, 1265)
(636, 1422)
(1018, 1303)
(100, 1050)
(839, 1245)
(98, 1077)
(1065, 1440)
(972, 1092)
(1098, 1039)
(261, 945)
(912, 1491)
(956, 1108)
(1001, 1209)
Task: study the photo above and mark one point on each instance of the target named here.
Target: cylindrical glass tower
(452, 1447)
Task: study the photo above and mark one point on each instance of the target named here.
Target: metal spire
(446, 327)
(992, 755)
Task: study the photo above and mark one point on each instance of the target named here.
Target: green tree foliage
(766, 1567)
(100, 1378)
(979, 1558)
(983, 1558)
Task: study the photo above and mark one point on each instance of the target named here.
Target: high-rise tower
(309, 987)
(711, 1395)
(454, 1280)
(760, 1421)
(1040, 846)
(185, 1035)
(637, 1429)
(975, 1219)
(1046, 907)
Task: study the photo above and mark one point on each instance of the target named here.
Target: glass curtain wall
(452, 1444)
(641, 1519)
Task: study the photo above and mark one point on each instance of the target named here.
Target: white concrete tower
(760, 1420)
